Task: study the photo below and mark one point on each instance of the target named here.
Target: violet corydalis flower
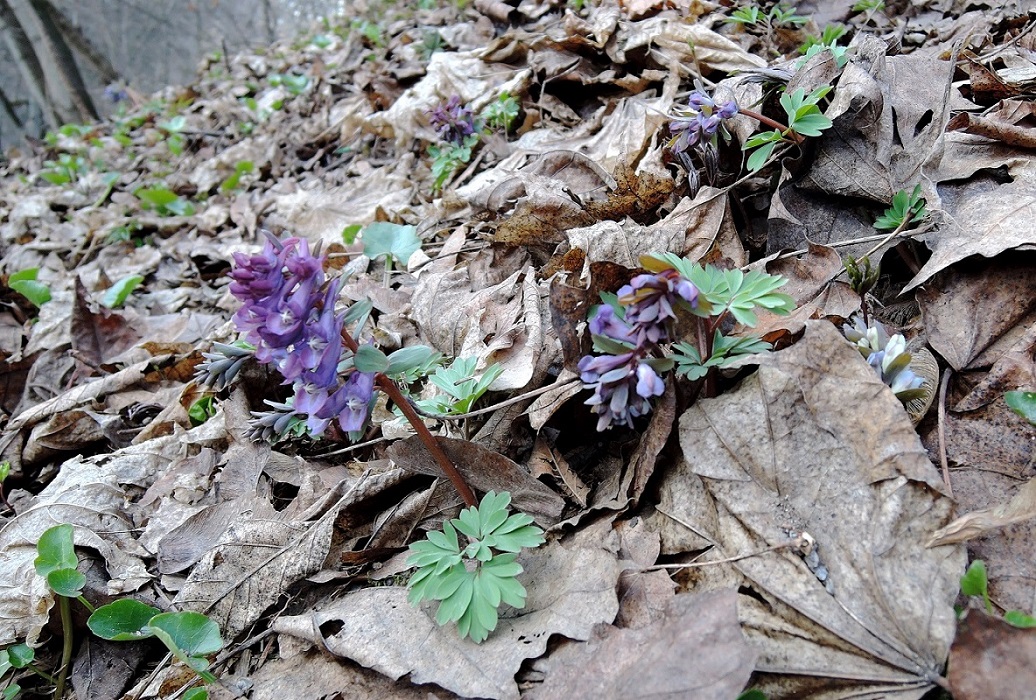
(622, 386)
(649, 302)
(288, 313)
(624, 382)
(453, 121)
(699, 121)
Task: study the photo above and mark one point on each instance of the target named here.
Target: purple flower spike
(621, 393)
(649, 301)
(699, 121)
(350, 404)
(452, 121)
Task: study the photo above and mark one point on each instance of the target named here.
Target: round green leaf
(20, 655)
(122, 621)
(196, 694)
(369, 359)
(1023, 403)
(56, 550)
(66, 582)
(192, 633)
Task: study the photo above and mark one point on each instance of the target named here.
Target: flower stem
(397, 397)
(393, 392)
(763, 119)
(66, 646)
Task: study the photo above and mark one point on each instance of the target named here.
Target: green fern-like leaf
(473, 581)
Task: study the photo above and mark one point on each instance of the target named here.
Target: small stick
(943, 461)
(797, 542)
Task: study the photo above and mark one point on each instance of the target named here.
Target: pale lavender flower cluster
(453, 121)
(699, 121)
(624, 383)
(288, 313)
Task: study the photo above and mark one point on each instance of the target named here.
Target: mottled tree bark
(17, 41)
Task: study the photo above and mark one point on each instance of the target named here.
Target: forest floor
(783, 529)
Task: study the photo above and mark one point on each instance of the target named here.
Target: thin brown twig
(796, 542)
(943, 461)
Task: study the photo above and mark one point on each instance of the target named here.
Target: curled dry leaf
(1020, 508)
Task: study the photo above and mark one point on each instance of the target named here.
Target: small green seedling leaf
(5, 470)
(189, 633)
(196, 694)
(56, 550)
(164, 201)
(408, 359)
(116, 295)
(244, 166)
(349, 233)
(25, 283)
(390, 240)
(1023, 403)
(201, 410)
(124, 620)
(20, 655)
(752, 694)
(1019, 619)
(190, 636)
(369, 359)
(975, 582)
(66, 582)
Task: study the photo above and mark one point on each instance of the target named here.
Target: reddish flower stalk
(393, 392)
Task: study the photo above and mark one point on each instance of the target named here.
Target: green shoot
(25, 283)
(164, 202)
(460, 385)
(804, 118)
(975, 583)
(907, 208)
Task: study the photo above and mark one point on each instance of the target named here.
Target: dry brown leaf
(569, 591)
(256, 559)
(971, 306)
(485, 471)
(816, 442)
(983, 217)
(697, 650)
(992, 660)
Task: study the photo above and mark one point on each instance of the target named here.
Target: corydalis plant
(642, 331)
(460, 131)
(470, 580)
(288, 314)
(698, 123)
(888, 356)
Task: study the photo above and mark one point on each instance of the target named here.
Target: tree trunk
(67, 72)
(75, 37)
(18, 42)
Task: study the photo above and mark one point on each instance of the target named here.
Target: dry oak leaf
(696, 650)
(816, 442)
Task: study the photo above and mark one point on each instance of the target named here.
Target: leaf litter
(792, 535)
